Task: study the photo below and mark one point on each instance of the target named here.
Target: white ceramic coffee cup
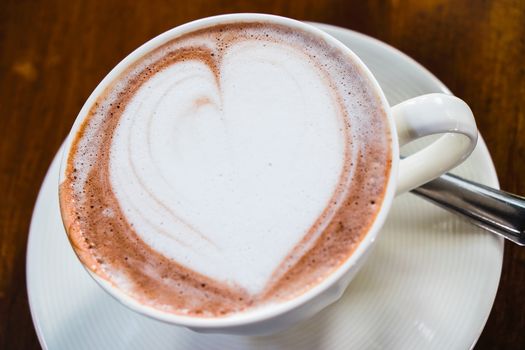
(409, 120)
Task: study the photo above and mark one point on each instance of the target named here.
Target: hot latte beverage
(229, 168)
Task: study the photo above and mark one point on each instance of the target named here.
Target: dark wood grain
(53, 54)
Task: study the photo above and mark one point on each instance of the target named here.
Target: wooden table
(53, 54)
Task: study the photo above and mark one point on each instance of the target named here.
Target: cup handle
(428, 115)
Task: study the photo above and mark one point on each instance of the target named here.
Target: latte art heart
(230, 167)
(207, 170)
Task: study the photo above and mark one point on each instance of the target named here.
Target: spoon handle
(493, 210)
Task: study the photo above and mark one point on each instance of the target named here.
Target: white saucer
(429, 284)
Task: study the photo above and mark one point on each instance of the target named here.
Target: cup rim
(267, 311)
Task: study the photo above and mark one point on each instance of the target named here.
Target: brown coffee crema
(108, 244)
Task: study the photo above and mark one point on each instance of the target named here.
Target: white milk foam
(232, 171)
(226, 177)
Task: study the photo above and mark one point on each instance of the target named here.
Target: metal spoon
(493, 210)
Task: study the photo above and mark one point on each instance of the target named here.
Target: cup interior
(268, 311)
